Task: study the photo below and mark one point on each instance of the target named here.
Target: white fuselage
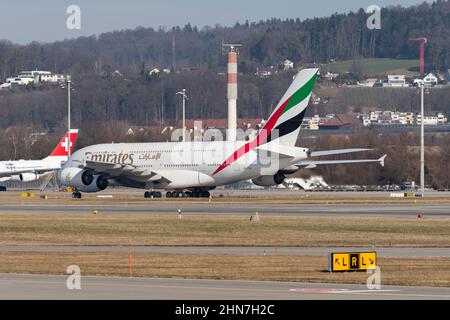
(14, 170)
(183, 164)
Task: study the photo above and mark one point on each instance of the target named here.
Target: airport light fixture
(68, 116)
(182, 93)
(422, 142)
(69, 89)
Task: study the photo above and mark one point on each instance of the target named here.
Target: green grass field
(374, 66)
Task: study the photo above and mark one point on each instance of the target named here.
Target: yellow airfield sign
(352, 261)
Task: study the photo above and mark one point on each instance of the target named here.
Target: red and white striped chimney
(232, 94)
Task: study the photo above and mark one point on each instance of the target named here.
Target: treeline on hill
(339, 37)
(199, 63)
(141, 102)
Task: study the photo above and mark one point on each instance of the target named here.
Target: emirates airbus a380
(30, 170)
(193, 168)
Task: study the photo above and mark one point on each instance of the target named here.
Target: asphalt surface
(269, 209)
(14, 286)
(313, 251)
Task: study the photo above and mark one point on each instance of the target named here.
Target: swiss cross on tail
(62, 149)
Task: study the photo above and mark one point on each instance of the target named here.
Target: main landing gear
(178, 194)
(152, 194)
(188, 194)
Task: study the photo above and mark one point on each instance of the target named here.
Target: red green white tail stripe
(284, 122)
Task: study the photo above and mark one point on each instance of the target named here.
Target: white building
(330, 75)
(311, 123)
(387, 118)
(52, 78)
(154, 71)
(432, 120)
(36, 76)
(396, 81)
(430, 80)
(287, 64)
(263, 73)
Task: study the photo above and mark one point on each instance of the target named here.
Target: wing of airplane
(114, 170)
(29, 170)
(298, 152)
(336, 151)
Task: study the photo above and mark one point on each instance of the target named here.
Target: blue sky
(24, 21)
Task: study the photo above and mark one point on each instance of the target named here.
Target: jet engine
(28, 176)
(267, 181)
(23, 177)
(83, 180)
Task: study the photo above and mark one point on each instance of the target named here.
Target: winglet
(381, 160)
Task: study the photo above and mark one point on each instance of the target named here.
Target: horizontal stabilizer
(294, 152)
(337, 151)
(309, 164)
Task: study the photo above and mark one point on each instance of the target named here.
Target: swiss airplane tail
(61, 149)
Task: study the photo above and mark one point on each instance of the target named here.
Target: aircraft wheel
(168, 194)
(157, 194)
(76, 195)
(147, 194)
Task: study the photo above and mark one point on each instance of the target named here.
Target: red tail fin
(61, 149)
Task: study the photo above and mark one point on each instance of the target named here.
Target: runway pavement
(14, 286)
(269, 209)
(312, 251)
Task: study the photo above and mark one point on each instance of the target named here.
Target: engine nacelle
(83, 180)
(99, 183)
(28, 176)
(267, 181)
(23, 177)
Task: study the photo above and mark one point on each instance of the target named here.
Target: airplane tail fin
(284, 122)
(62, 148)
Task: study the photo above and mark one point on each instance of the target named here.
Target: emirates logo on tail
(62, 148)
